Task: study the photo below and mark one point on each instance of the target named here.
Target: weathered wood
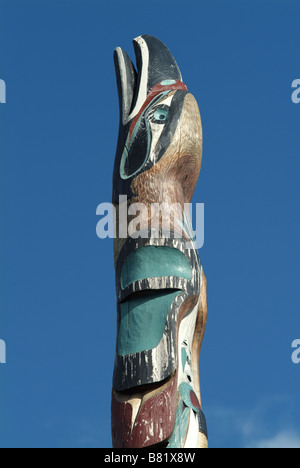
(160, 284)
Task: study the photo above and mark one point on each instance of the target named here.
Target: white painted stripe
(126, 93)
(142, 96)
(193, 432)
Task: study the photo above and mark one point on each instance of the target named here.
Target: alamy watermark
(296, 92)
(139, 220)
(2, 352)
(296, 352)
(2, 92)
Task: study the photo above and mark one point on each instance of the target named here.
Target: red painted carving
(154, 422)
(194, 400)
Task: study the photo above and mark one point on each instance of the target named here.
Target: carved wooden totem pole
(161, 287)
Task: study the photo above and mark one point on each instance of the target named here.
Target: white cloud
(270, 423)
(285, 439)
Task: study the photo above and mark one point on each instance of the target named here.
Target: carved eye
(160, 114)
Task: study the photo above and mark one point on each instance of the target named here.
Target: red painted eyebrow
(157, 89)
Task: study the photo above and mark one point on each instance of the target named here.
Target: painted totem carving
(161, 287)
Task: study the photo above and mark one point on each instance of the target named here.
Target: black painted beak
(155, 64)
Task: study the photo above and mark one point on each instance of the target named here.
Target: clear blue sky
(58, 134)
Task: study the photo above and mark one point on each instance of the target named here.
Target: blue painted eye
(161, 114)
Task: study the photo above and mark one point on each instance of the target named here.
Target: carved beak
(155, 64)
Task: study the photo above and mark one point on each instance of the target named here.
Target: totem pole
(161, 287)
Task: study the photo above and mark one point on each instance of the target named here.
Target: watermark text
(296, 352)
(137, 220)
(296, 93)
(2, 92)
(2, 352)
